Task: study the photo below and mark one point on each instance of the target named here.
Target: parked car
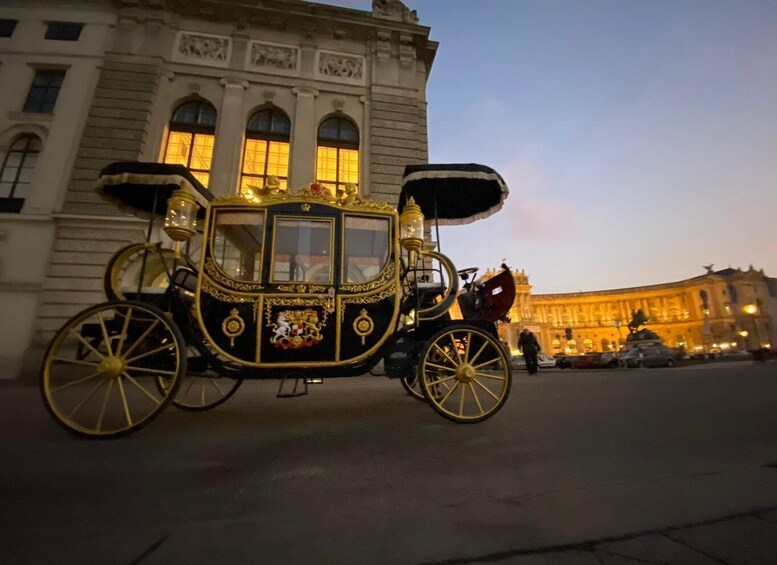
(735, 355)
(605, 360)
(546, 361)
(566, 361)
(651, 356)
(517, 361)
(585, 361)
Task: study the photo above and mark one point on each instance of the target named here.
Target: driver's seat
(490, 300)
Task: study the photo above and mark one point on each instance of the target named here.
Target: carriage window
(237, 244)
(302, 251)
(366, 248)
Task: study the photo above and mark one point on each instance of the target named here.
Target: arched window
(191, 137)
(266, 151)
(337, 157)
(16, 173)
(588, 345)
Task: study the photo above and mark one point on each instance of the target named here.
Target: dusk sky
(638, 138)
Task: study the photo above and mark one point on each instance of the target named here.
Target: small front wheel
(100, 371)
(465, 374)
(412, 386)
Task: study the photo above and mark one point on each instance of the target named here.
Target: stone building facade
(718, 310)
(199, 82)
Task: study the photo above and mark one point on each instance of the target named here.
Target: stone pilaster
(230, 126)
(304, 138)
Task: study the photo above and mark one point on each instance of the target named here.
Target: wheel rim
(100, 370)
(202, 388)
(465, 374)
(412, 385)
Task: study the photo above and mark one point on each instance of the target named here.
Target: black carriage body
(298, 283)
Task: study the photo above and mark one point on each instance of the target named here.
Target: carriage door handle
(330, 300)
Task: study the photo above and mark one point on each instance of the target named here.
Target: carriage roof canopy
(454, 194)
(135, 186)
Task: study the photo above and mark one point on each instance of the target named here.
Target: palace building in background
(236, 91)
(718, 310)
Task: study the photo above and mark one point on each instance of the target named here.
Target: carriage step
(294, 392)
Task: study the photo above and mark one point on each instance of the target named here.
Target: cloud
(533, 211)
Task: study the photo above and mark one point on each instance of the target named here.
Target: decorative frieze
(340, 67)
(202, 48)
(273, 57)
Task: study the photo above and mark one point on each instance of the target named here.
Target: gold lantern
(411, 229)
(181, 218)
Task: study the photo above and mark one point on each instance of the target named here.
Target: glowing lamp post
(751, 310)
(411, 230)
(181, 218)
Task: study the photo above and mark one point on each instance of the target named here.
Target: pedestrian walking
(530, 347)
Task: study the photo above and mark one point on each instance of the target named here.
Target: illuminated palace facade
(718, 310)
(237, 91)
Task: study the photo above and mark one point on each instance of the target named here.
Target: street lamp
(618, 323)
(751, 310)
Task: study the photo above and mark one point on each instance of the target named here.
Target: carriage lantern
(181, 219)
(411, 229)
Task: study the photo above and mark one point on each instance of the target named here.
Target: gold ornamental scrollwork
(386, 275)
(219, 277)
(223, 296)
(233, 326)
(370, 299)
(270, 303)
(363, 325)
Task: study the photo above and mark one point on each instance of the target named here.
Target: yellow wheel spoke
(455, 348)
(153, 371)
(188, 388)
(469, 342)
(124, 329)
(445, 354)
(481, 385)
(79, 381)
(75, 362)
(86, 343)
(475, 396)
(216, 385)
(150, 353)
(481, 365)
(461, 401)
(440, 367)
(475, 358)
(104, 331)
(105, 404)
(450, 391)
(487, 376)
(441, 380)
(141, 338)
(124, 403)
(141, 388)
(87, 397)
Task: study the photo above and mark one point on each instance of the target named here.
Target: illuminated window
(337, 157)
(191, 137)
(302, 250)
(266, 152)
(16, 173)
(588, 345)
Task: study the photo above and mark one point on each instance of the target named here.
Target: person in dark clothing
(530, 347)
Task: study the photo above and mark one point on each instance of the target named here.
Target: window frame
(13, 204)
(195, 129)
(63, 31)
(42, 106)
(269, 137)
(344, 268)
(332, 252)
(7, 27)
(212, 252)
(338, 144)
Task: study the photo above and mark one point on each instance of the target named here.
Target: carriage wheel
(465, 374)
(122, 274)
(99, 373)
(202, 388)
(413, 386)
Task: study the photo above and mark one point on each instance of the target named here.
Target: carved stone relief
(340, 66)
(208, 49)
(275, 56)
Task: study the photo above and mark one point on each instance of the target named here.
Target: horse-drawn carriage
(292, 285)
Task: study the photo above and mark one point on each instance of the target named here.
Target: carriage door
(299, 321)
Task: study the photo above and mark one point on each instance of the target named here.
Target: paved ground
(673, 466)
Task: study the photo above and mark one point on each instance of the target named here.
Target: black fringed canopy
(454, 194)
(142, 189)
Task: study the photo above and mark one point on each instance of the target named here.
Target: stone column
(364, 149)
(302, 169)
(230, 128)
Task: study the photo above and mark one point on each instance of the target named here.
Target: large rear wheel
(100, 371)
(465, 374)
